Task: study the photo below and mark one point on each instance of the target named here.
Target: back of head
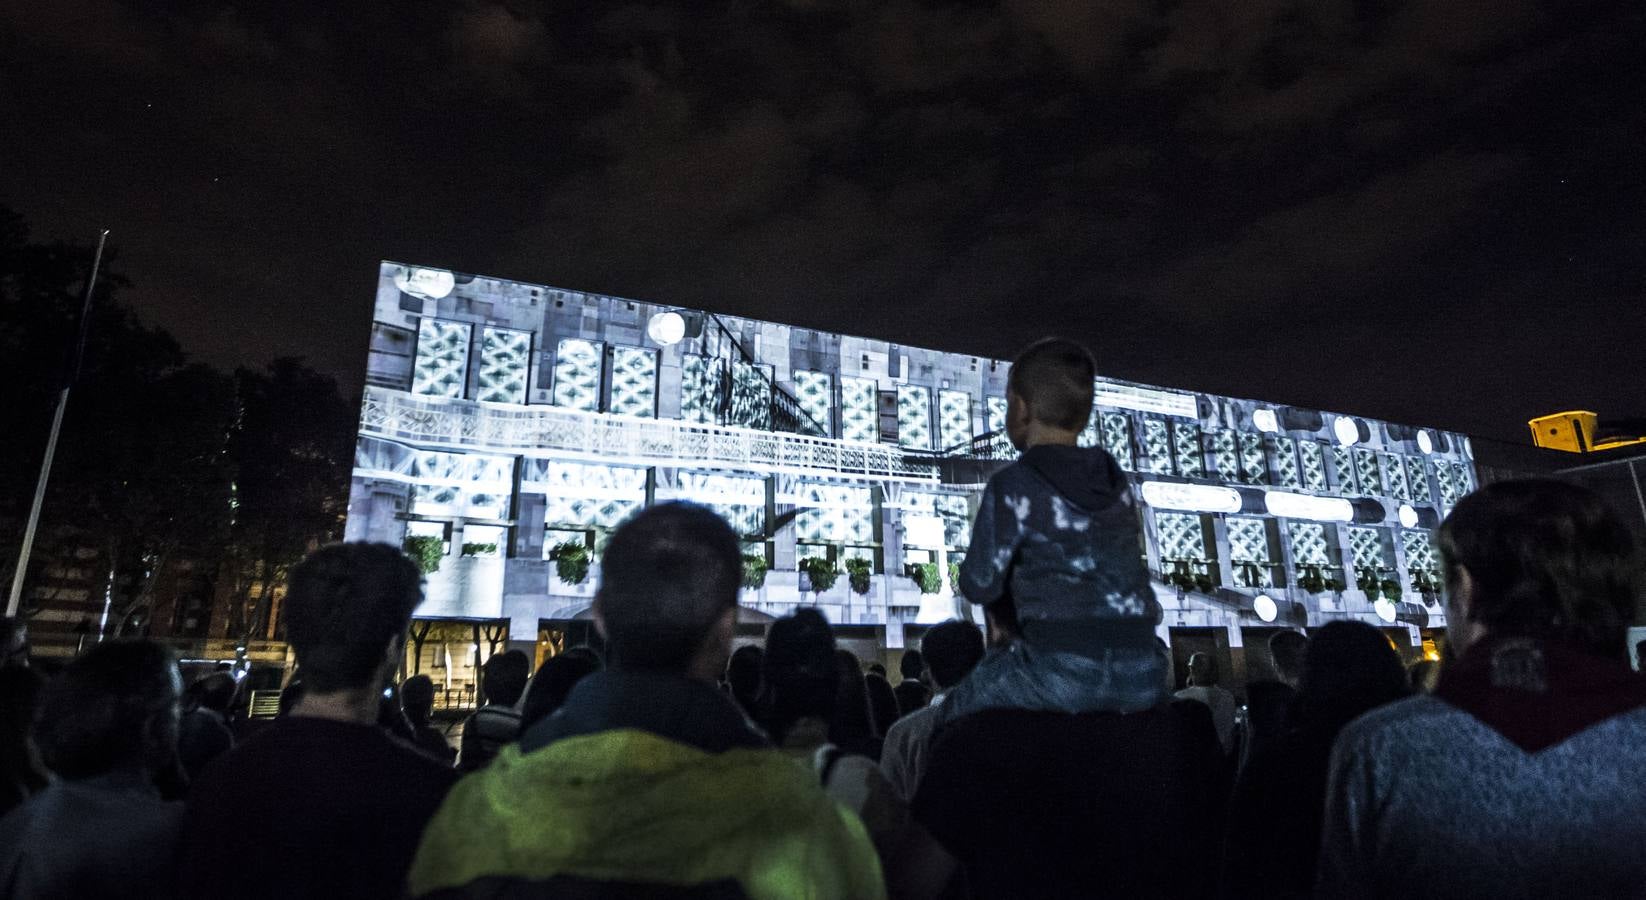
(504, 677)
(115, 707)
(951, 649)
(743, 676)
(799, 671)
(214, 692)
(1055, 377)
(1350, 668)
(1287, 649)
(417, 698)
(852, 727)
(668, 576)
(912, 665)
(1547, 560)
(882, 702)
(345, 605)
(551, 685)
(1202, 669)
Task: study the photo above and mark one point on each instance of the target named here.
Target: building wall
(525, 416)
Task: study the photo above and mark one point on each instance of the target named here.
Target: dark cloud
(1365, 204)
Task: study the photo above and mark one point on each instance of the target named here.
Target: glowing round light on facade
(428, 284)
(1302, 506)
(1191, 497)
(1347, 431)
(1265, 608)
(666, 328)
(1265, 420)
(1425, 441)
(1385, 609)
(1408, 516)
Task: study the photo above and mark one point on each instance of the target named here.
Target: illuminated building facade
(507, 428)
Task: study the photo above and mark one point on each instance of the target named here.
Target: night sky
(1431, 212)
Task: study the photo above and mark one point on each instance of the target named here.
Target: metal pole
(15, 602)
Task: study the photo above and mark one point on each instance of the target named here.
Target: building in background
(507, 428)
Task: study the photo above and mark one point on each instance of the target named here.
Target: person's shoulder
(912, 724)
(1412, 717)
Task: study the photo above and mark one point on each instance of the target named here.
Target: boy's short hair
(504, 677)
(344, 605)
(668, 575)
(1055, 375)
(96, 714)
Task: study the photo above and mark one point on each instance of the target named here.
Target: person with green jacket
(649, 779)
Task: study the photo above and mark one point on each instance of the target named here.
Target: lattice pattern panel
(997, 414)
(1254, 463)
(1225, 455)
(1191, 463)
(1417, 480)
(461, 484)
(634, 382)
(700, 389)
(1343, 464)
(1420, 552)
(1366, 545)
(1464, 479)
(1313, 457)
(859, 419)
(442, 360)
(1394, 472)
(815, 391)
(1371, 480)
(1092, 434)
(738, 499)
(1157, 446)
(914, 416)
(954, 418)
(1287, 473)
(1117, 439)
(1179, 536)
(1248, 541)
(1309, 544)
(577, 375)
(751, 405)
(585, 495)
(951, 508)
(1446, 480)
(834, 514)
(505, 363)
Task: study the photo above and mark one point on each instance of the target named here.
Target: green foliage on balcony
(754, 571)
(426, 550)
(822, 572)
(571, 561)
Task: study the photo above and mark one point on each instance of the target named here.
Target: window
(1179, 536)
(751, 404)
(461, 484)
(1287, 474)
(739, 499)
(485, 541)
(505, 363)
(1249, 551)
(442, 360)
(1157, 446)
(1343, 463)
(1254, 463)
(997, 415)
(1092, 434)
(954, 419)
(701, 380)
(1314, 465)
(577, 375)
(1421, 557)
(634, 382)
(953, 509)
(1186, 450)
(1310, 544)
(1117, 439)
(1394, 471)
(1371, 481)
(584, 495)
(833, 514)
(859, 419)
(1417, 480)
(815, 391)
(914, 416)
(1367, 547)
(1226, 455)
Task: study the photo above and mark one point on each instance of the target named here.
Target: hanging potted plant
(754, 571)
(1203, 583)
(925, 577)
(1366, 580)
(954, 577)
(571, 561)
(1251, 574)
(1390, 589)
(858, 572)
(478, 548)
(822, 573)
(426, 550)
(1310, 579)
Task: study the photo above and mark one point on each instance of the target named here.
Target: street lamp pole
(15, 602)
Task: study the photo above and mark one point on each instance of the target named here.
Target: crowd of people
(1047, 754)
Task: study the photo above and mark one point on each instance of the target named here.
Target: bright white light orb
(1425, 442)
(428, 284)
(1191, 497)
(1385, 609)
(1408, 516)
(1302, 506)
(1265, 607)
(666, 328)
(1265, 420)
(1348, 433)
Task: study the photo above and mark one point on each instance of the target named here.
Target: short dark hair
(912, 665)
(798, 669)
(1350, 668)
(214, 691)
(952, 649)
(345, 604)
(1549, 560)
(104, 709)
(552, 684)
(668, 575)
(1287, 649)
(1055, 376)
(417, 698)
(743, 676)
(504, 676)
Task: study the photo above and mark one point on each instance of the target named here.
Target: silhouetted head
(882, 702)
(668, 591)
(853, 725)
(116, 707)
(1287, 649)
(951, 649)
(347, 607)
(743, 677)
(504, 676)
(551, 685)
(799, 672)
(417, 699)
(912, 665)
(214, 692)
(1051, 383)
(1202, 670)
(1350, 668)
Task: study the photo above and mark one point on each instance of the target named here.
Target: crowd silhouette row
(1044, 755)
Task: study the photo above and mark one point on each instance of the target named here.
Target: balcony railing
(463, 424)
